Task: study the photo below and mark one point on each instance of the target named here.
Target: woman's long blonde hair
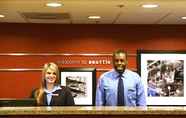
(39, 93)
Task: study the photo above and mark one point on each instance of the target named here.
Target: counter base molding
(93, 116)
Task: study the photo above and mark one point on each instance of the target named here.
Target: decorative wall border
(55, 54)
(62, 54)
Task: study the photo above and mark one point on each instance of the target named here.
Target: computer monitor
(17, 102)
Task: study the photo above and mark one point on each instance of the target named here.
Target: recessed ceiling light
(94, 17)
(184, 17)
(150, 5)
(120, 5)
(54, 4)
(2, 16)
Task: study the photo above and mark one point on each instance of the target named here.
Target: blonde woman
(51, 93)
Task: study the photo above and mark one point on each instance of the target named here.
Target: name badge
(55, 94)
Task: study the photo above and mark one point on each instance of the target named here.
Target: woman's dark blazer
(61, 97)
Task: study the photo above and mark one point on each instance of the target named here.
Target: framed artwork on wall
(82, 83)
(163, 74)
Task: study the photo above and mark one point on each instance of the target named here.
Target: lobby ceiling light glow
(184, 17)
(150, 5)
(54, 4)
(2, 16)
(94, 17)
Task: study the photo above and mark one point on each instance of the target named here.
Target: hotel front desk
(93, 112)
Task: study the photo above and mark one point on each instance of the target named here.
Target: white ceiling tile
(169, 11)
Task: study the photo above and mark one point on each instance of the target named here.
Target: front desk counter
(93, 112)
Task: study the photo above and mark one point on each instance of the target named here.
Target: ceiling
(77, 11)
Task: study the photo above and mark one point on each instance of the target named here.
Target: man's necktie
(120, 92)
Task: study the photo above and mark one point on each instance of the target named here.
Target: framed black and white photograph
(163, 75)
(82, 83)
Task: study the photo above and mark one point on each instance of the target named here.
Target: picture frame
(82, 83)
(163, 75)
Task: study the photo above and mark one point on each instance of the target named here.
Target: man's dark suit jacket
(62, 97)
